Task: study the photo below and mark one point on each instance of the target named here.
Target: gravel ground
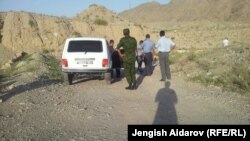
(93, 111)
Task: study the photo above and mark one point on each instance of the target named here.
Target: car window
(85, 46)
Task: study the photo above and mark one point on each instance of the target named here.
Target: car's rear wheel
(68, 78)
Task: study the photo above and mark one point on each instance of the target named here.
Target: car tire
(68, 78)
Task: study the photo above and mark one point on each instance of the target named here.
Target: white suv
(86, 57)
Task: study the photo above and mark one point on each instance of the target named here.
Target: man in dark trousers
(129, 45)
(148, 46)
(139, 57)
(116, 61)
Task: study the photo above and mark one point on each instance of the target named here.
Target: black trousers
(117, 72)
(148, 63)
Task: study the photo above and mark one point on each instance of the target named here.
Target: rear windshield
(85, 46)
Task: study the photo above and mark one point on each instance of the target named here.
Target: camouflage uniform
(129, 45)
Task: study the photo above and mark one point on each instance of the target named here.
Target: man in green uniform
(129, 45)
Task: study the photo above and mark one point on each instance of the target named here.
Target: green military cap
(126, 31)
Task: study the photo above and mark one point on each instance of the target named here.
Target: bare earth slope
(190, 10)
(91, 110)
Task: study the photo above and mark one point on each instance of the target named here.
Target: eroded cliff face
(29, 32)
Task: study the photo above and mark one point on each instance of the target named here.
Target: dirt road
(93, 111)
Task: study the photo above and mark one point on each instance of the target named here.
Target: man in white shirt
(164, 46)
(226, 42)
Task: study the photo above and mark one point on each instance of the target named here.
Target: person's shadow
(139, 80)
(166, 113)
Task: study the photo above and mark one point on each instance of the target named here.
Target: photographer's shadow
(166, 112)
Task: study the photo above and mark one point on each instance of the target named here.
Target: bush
(139, 25)
(240, 78)
(1, 76)
(31, 23)
(76, 34)
(191, 55)
(45, 51)
(93, 5)
(100, 22)
(28, 58)
(54, 68)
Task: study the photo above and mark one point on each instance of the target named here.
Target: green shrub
(191, 56)
(45, 51)
(76, 34)
(31, 23)
(203, 79)
(240, 78)
(93, 5)
(204, 64)
(2, 77)
(54, 68)
(28, 58)
(100, 22)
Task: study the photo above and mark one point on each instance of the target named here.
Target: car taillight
(65, 62)
(105, 62)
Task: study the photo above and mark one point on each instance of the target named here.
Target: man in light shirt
(226, 42)
(164, 46)
(148, 46)
(139, 57)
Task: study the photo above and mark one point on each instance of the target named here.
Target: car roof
(87, 38)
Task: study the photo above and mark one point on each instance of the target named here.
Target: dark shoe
(129, 87)
(118, 79)
(162, 80)
(134, 86)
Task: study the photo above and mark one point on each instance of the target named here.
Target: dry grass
(224, 67)
(36, 64)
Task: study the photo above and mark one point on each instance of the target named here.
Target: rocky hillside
(190, 10)
(98, 12)
(29, 32)
(101, 21)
